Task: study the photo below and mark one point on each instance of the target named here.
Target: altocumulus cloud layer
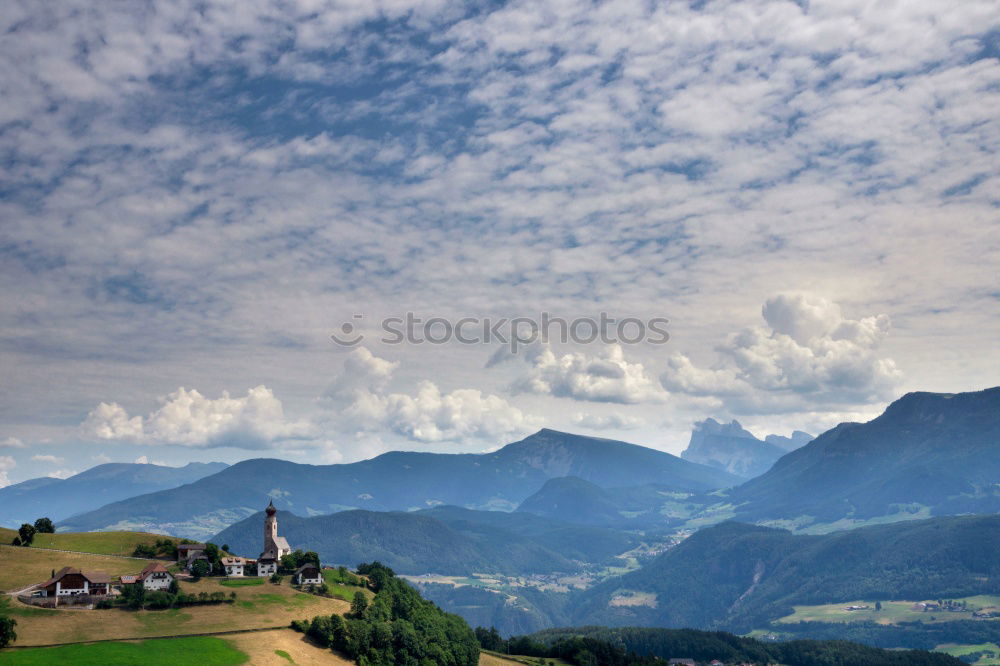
(195, 194)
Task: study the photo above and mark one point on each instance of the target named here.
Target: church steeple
(270, 510)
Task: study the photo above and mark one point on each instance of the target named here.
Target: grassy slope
(892, 612)
(961, 650)
(102, 543)
(20, 567)
(340, 590)
(268, 606)
(257, 607)
(170, 652)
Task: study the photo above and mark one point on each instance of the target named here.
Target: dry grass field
(22, 566)
(491, 659)
(256, 607)
(264, 648)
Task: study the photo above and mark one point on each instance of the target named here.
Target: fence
(63, 600)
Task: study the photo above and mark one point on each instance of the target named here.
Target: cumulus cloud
(614, 421)
(808, 354)
(429, 414)
(47, 458)
(187, 418)
(363, 370)
(111, 421)
(603, 377)
(11, 443)
(7, 463)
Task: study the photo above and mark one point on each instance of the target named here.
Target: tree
(7, 633)
(27, 534)
(214, 558)
(134, 595)
(225, 547)
(878, 605)
(359, 605)
(288, 563)
(323, 589)
(175, 587)
(200, 568)
(276, 578)
(44, 526)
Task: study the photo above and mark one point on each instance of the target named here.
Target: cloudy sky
(195, 195)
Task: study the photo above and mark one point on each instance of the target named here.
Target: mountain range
(60, 498)
(928, 454)
(401, 481)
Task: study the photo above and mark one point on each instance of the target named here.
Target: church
(274, 546)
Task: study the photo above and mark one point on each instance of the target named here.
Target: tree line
(647, 646)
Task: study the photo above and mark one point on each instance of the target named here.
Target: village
(72, 586)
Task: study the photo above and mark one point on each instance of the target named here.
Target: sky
(195, 196)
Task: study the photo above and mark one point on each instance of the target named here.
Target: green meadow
(165, 652)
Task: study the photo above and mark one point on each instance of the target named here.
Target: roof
(94, 577)
(59, 574)
(304, 567)
(190, 546)
(151, 568)
(98, 577)
(281, 543)
(128, 579)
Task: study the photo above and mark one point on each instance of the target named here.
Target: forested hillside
(446, 540)
(737, 576)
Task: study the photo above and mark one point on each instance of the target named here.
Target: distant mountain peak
(731, 447)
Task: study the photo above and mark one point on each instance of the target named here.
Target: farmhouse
(189, 552)
(308, 574)
(155, 577)
(70, 581)
(235, 566)
(274, 546)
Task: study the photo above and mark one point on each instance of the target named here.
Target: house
(70, 581)
(234, 566)
(683, 662)
(308, 574)
(155, 577)
(275, 547)
(189, 552)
